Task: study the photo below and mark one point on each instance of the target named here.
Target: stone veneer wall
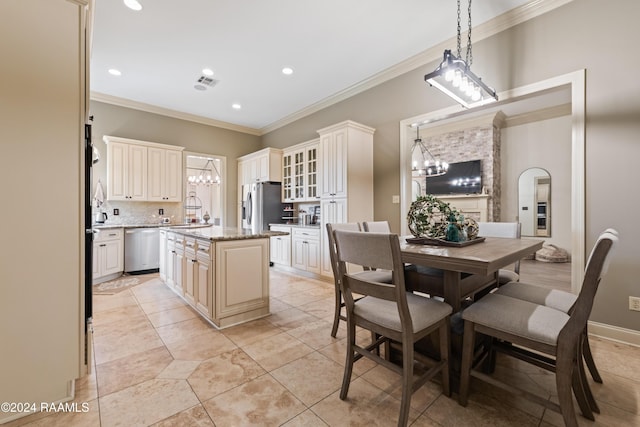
(474, 142)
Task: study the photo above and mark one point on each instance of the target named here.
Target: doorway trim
(577, 82)
(223, 177)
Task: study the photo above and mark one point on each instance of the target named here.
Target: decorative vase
(206, 217)
(428, 217)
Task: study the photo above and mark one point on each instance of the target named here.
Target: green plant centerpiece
(430, 217)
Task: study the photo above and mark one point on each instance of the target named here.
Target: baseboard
(615, 333)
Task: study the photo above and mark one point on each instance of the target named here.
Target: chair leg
(580, 392)
(348, 365)
(336, 314)
(588, 358)
(468, 339)
(564, 375)
(407, 382)
(445, 354)
(584, 382)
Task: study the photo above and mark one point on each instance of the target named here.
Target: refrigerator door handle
(249, 208)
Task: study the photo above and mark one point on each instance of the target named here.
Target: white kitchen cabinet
(108, 254)
(241, 293)
(204, 280)
(306, 249)
(126, 172)
(162, 256)
(346, 179)
(300, 172)
(190, 265)
(164, 177)
(143, 171)
(280, 246)
(170, 260)
(261, 166)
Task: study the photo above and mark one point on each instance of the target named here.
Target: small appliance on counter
(101, 217)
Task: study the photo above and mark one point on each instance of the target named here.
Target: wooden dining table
(482, 260)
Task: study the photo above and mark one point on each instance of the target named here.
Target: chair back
(378, 251)
(501, 229)
(376, 226)
(349, 226)
(597, 266)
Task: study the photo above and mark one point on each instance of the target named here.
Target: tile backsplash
(141, 212)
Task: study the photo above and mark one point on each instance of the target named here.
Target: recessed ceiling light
(236, 106)
(287, 71)
(114, 72)
(133, 4)
(207, 71)
(199, 87)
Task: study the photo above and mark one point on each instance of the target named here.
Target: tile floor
(157, 363)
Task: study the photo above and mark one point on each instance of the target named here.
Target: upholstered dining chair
(389, 312)
(541, 335)
(376, 226)
(384, 276)
(554, 298)
(502, 229)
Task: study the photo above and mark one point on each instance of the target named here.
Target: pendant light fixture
(204, 176)
(426, 164)
(454, 77)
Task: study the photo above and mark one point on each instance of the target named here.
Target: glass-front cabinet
(300, 172)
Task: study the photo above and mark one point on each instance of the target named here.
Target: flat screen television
(461, 178)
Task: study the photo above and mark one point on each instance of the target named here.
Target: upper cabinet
(300, 172)
(143, 171)
(261, 166)
(346, 160)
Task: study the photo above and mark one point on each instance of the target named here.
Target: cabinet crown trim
(301, 145)
(268, 150)
(347, 123)
(107, 139)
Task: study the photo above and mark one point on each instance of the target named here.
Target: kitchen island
(221, 272)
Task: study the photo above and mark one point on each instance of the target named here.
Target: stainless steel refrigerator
(261, 205)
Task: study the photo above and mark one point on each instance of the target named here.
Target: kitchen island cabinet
(223, 272)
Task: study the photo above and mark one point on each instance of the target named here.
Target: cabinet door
(171, 261)
(155, 175)
(298, 253)
(204, 299)
(137, 173)
(333, 164)
(332, 211)
(313, 255)
(287, 177)
(117, 171)
(178, 270)
(298, 175)
(97, 254)
(280, 247)
(112, 256)
(173, 176)
(311, 171)
(262, 165)
(163, 255)
(190, 273)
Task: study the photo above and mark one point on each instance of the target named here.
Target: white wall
(544, 144)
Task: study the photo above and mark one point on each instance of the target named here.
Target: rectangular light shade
(454, 78)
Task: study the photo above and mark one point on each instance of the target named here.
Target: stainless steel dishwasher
(141, 250)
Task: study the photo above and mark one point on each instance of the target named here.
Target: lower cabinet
(306, 249)
(280, 247)
(108, 254)
(226, 281)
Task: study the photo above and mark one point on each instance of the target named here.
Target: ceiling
(331, 45)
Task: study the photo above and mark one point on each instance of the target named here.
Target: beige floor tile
(163, 304)
(260, 402)
(322, 308)
(192, 417)
(127, 314)
(365, 405)
(609, 416)
(251, 332)
(222, 373)
(86, 387)
(172, 315)
(179, 369)
(146, 403)
(302, 298)
(311, 378)
(102, 303)
(123, 340)
(182, 330)
(337, 352)
(316, 334)
(305, 419)
(276, 305)
(480, 411)
(290, 319)
(276, 351)
(201, 347)
(133, 369)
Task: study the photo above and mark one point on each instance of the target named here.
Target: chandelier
(454, 77)
(425, 164)
(204, 176)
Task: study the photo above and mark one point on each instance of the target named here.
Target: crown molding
(500, 23)
(128, 103)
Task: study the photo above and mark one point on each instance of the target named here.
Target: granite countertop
(112, 226)
(217, 233)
